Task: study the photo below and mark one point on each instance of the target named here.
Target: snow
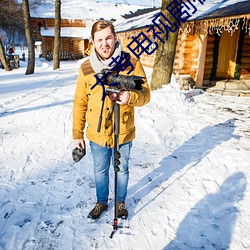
(156, 3)
(200, 13)
(84, 33)
(212, 5)
(86, 10)
(135, 22)
(189, 169)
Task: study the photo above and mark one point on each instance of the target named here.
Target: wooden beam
(201, 60)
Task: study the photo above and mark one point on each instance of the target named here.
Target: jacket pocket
(127, 120)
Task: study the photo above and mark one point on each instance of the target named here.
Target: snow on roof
(85, 10)
(138, 2)
(80, 32)
(204, 11)
(135, 22)
(209, 9)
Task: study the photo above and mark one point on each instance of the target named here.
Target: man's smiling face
(104, 43)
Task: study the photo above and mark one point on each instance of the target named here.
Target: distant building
(77, 18)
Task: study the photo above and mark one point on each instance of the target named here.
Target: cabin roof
(135, 22)
(221, 8)
(209, 10)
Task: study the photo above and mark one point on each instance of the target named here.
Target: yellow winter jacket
(87, 106)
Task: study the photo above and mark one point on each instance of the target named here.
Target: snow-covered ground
(189, 170)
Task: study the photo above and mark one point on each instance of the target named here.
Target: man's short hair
(100, 25)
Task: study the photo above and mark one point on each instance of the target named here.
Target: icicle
(244, 20)
(210, 26)
(248, 28)
(205, 29)
(246, 25)
(219, 30)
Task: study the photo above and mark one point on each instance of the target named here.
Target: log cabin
(213, 45)
(74, 37)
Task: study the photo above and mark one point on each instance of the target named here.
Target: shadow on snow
(23, 110)
(215, 221)
(209, 225)
(190, 153)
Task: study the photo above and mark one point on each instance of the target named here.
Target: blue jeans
(102, 158)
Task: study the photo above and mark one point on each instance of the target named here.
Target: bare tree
(28, 33)
(165, 53)
(3, 57)
(11, 24)
(56, 59)
(11, 16)
(36, 3)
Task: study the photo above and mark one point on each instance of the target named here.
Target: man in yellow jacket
(86, 110)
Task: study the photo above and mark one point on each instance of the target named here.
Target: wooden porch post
(201, 60)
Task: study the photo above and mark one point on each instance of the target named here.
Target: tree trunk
(56, 59)
(29, 38)
(3, 57)
(165, 53)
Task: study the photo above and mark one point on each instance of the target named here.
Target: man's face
(104, 42)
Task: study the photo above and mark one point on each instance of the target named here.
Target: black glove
(78, 153)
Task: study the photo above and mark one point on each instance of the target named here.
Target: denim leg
(101, 157)
(123, 174)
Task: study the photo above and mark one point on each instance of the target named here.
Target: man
(87, 107)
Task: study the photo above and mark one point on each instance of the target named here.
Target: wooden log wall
(187, 51)
(178, 61)
(47, 45)
(79, 46)
(50, 22)
(125, 39)
(190, 56)
(245, 61)
(73, 45)
(66, 44)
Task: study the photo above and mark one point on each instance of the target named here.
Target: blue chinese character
(175, 9)
(140, 40)
(167, 28)
(200, 1)
(122, 65)
(155, 33)
(188, 2)
(103, 83)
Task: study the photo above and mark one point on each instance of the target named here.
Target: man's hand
(123, 97)
(79, 143)
(79, 151)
